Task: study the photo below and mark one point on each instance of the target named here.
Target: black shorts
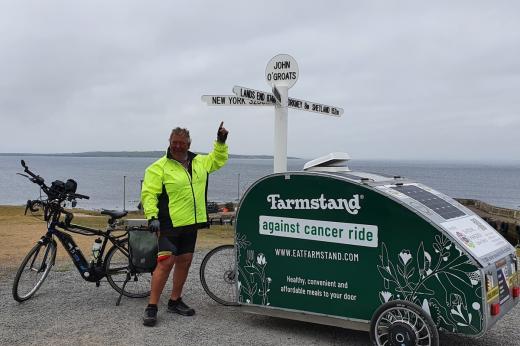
(176, 243)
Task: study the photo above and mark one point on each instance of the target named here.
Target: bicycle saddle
(115, 214)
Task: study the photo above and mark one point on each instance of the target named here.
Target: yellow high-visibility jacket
(171, 194)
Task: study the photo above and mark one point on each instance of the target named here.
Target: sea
(114, 182)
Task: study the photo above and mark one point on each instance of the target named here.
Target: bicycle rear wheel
(34, 269)
(218, 275)
(117, 270)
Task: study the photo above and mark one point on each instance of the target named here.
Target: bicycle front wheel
(34, 269)
(218, 275)
(117, 271)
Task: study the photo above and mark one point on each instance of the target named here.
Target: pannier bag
(142, 254)
(71, 186)
(59, 188)
(143, 249)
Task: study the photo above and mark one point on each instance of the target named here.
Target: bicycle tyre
(218, 275)
(116, 270)
(40, 259)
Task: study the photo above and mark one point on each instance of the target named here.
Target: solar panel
(428, 199)
(351, 176)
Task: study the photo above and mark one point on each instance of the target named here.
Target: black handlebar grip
(77, 195)
(27, 170)
(36, 178)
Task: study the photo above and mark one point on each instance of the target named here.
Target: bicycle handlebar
(57, 193)
(53, 206)
(77, 195)
(35, 178)
(41, 182)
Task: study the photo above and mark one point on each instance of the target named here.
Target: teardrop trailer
(365, 251)
(357, 250)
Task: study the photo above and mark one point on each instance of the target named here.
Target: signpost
(281, 74)
(271, 99)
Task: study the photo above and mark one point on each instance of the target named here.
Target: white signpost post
(281, 74)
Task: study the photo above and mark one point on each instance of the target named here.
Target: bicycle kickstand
(128, 277)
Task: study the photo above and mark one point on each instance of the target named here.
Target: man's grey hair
(182, 132)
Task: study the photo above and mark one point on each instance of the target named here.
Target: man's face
(179, 146)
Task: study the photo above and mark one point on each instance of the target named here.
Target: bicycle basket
(143, 249)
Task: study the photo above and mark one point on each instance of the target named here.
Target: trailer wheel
(402, 323)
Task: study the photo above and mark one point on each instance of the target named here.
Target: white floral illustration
(253, 284)
(405, 256)
(414, 279)
(242, 243)
(385, 296)
(260, 259)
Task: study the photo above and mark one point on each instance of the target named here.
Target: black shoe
(178, 307)
(150, 316)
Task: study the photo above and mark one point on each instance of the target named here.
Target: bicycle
(115, 265)
(218, 275)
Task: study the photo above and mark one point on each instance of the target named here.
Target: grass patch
(214, 236)
(20, 232)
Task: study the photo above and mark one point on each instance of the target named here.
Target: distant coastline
(151, 154)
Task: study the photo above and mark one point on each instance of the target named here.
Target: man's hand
(154, 225)
(222, 133)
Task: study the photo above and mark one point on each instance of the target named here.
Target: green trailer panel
(323, 244)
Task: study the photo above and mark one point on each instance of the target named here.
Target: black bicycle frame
(89, 271)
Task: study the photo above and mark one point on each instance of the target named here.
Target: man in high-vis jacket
(174, 201)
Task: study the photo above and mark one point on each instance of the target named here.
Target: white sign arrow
(231, 100)
(261, 96)
(255, 95)
(315, 107)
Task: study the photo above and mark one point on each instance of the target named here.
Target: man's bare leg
(180, 273)
(159, 278)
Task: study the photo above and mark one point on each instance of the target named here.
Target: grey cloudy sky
(417, 80)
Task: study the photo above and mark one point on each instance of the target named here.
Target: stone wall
(491, 209)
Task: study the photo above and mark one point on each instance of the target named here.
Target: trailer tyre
(400, 322)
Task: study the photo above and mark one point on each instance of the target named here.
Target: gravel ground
(67, 310)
